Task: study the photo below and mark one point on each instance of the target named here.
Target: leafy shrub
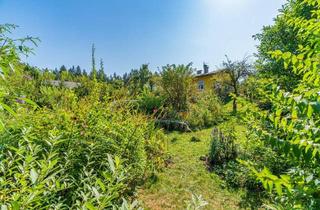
(176, 83)
(52, 97)
(35, 175)
(73, 152)
(234, 174)
(30, 177)
(291, 126)
(237, 175)
(223, 90)
(79, 140)
(70, 152)
(150, 103)
(224, 158)
(205, 111)
(223, 148)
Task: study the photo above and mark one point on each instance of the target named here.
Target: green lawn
(186, 175)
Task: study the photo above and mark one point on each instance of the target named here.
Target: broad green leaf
(28, 101)
(300, 57)
(278, 188)
(294, 59)
(15, 205)
(270, 185)
(111, 163)
(33, 175)
(316, 106)
(286, 55)
(117, 161)
(278, 112)
(310, 111)
(101, 185)
(90, 206)
(294, 113)
(8, 109)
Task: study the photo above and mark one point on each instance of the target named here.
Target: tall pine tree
(93, 74)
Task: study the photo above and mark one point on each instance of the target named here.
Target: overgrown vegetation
(223, 148)
(285, 159)
(71, 139)
(64, 148)
(291, 126)
(187, 176)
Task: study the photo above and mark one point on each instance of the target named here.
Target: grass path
(186, 175)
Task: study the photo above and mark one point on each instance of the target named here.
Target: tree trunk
(235, 98)
(234, 105)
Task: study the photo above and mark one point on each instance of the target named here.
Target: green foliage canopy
(292, 126)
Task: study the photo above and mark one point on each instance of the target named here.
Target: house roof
(208, 74)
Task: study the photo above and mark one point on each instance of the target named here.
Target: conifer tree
(78, 71)
(56, 73)
(62, 69)
(101, 76)
(93, 74)
(84, 73)
(72, 71)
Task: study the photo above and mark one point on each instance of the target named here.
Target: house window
(201, 85)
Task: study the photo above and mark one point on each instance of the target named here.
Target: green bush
(75, 152)
(36, 176)
(177, 86)
(69, 152)
(150, 103)
(53, 97)
(290, 124)
(236, 175)
(78, 137)
(206, 111)
(223, 148)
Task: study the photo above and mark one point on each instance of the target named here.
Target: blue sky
(128, 33)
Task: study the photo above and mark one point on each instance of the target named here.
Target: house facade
(205, 80)
(216, 81)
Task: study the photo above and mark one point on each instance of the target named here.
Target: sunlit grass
(187, 174)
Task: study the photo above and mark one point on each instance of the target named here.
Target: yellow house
(208, 80)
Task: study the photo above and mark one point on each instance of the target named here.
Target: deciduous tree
(176, 82)
(237, 71)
